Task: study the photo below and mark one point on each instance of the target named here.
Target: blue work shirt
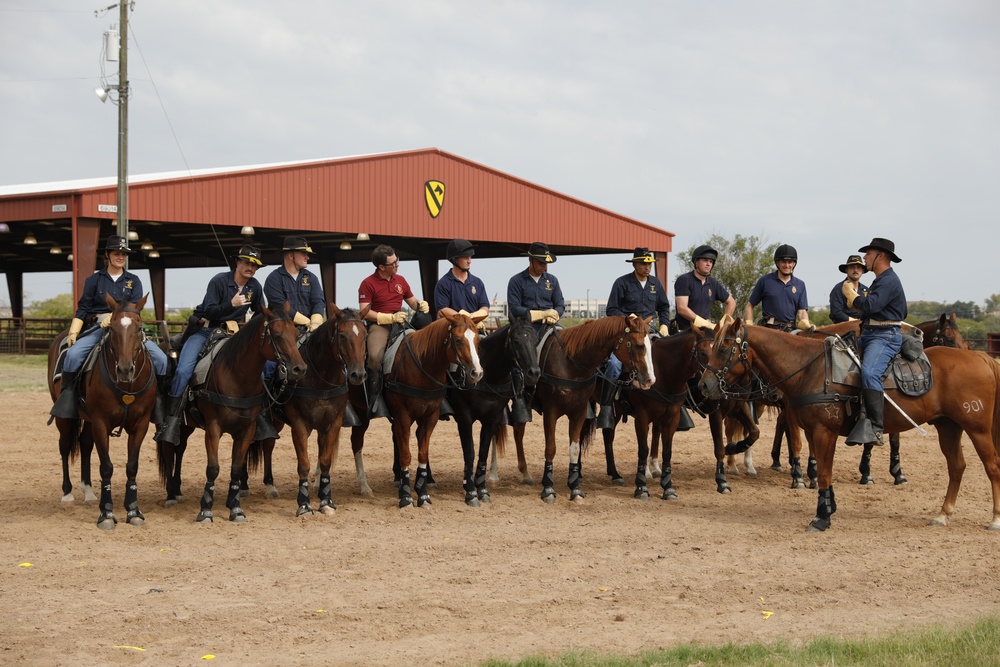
(451, 292)
(839, 310)
(885, 299)
(304, 292)
(217, 306)
(524, 293)
(629, 296)
(700, 295)
(128, 287)
(777, 299)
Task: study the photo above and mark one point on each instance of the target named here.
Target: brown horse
(965, 397)
(335, 358)
(119, 394)
(674, 364)
(230, 401)
(569, 360)
(414, 389)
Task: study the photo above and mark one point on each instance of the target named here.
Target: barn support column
(86, 239)
(328, 274)
(15, 289)
(661, 267)
(158, 278)
(428, 281)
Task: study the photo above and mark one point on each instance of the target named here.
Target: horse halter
(626, 337)
(451, 342)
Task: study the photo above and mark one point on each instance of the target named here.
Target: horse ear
(288, 309)
(479, 318)
(112, 304)
(952, 317)
(333, 311)
(142, 302)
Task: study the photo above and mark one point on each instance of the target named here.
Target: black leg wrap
(641, 490)
(302, 499)
(796, 467)
(207, 499)
(896, 470)
(824, 510)
(812, 473)
(423, 477)
(548, 484)
(721, 483)
(405, 499)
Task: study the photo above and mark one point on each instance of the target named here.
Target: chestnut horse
(512, 346)
(569, 360)
(230, 401)
(965, 397)
(335, 358)
(119, 394)
(675, 364)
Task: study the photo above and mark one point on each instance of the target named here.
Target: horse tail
(499, 436)
(255, 455)
(165, 461)
(587, 433)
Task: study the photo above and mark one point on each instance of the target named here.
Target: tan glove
(301, 320)
(702, 323)
(537, 315)
(75, 327)
(105, 320)
(384, 318)
(232, 327)
(482, 312)
(803, 324)
(664, 330)
(465, 312)
(423, 307)
(399, 317)
(553, 315)
(315, 322)
(849, 293)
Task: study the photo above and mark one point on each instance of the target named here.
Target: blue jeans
(187, 358)
(77, 354)
(613, 368)
(878, 347)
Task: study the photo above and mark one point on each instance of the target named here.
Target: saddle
(213, 346)
(88, 363)
(910, 371)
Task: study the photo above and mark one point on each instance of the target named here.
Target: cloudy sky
(821, 124)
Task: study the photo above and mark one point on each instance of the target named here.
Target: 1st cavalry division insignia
(434, 197)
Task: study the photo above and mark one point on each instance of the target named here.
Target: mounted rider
(694, 292)
(782, 296)
(854, 267)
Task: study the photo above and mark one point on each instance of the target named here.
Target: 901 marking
(973, 406)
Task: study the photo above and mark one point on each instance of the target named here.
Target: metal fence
(30, 335)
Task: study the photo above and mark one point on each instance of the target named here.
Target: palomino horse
(674, 364)
(569, 360)
(119, 394)
(335, 358)
(943, 331)
(230, 402)
(512, 346)
(414, 389)
(965, 397)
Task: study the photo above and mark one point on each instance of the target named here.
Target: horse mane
(424, 341)
(237, 346)
(314, 341)
(579, 338)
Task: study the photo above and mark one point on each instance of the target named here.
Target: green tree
(742, 260)
(60, 306)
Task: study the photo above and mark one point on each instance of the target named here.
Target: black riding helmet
(704, 252)
(785, 251)
(459, 248)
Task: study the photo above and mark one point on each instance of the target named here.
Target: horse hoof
(244, 493)
(734, 472)
(67, 499)
(798, 484)
(107, 522)
(817, 525)
(137, 521)
(938, 521)
(576, 497)
(994, 525)
(271, 491)
(549, 496)
(472, 501)
(901, 480)
(527, 481)
(169, 503)
(867, 480)
(725, 489)
(669, 494)
(641, 494)
(204, 517)
(328, 509)
(304, 509)
(617, 481)
(776, 467)
(813, 484)
(424, 502)
(751, 472)
(237, 517)
(485, 498)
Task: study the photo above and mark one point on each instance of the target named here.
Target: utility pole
(123, 119)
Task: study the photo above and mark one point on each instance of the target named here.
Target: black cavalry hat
(540, 251)
(851, 261)
(643, 255)
(296, 243)
(116, 242)
(250, 253)
(884, 245)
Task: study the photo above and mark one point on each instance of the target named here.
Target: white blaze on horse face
(648, 358)
(470, 337)
(126, 322)
(355, 329)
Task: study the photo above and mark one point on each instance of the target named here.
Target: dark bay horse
(414, 389)
(230, 402)
(674, 364)
(569, 360)
(965, 397)
(512, 346)
(335, 358)
(119, 393)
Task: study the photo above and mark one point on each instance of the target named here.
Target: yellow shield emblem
(434, 197)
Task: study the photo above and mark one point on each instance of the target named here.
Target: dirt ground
(453, 585)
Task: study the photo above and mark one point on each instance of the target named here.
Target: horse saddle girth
(911, 378)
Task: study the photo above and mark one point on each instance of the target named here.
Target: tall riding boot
(686, 423)
(445, 411)
(350, 417)
(265, 426)
(875, 404)
(376, 402)
(862, 433)
(162, 394)
(606, 417)
(67, 405)
(170, 430)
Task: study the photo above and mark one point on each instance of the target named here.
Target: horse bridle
(939, 330)
(135, 356)
(627, 337)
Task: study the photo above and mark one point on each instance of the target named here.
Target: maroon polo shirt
(385, 296)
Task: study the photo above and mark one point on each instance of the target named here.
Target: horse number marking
(973, 406)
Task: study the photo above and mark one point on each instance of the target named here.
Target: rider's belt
(882, 323)
(771, 322)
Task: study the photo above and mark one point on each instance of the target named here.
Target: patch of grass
(977, 644)
(23, 372)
